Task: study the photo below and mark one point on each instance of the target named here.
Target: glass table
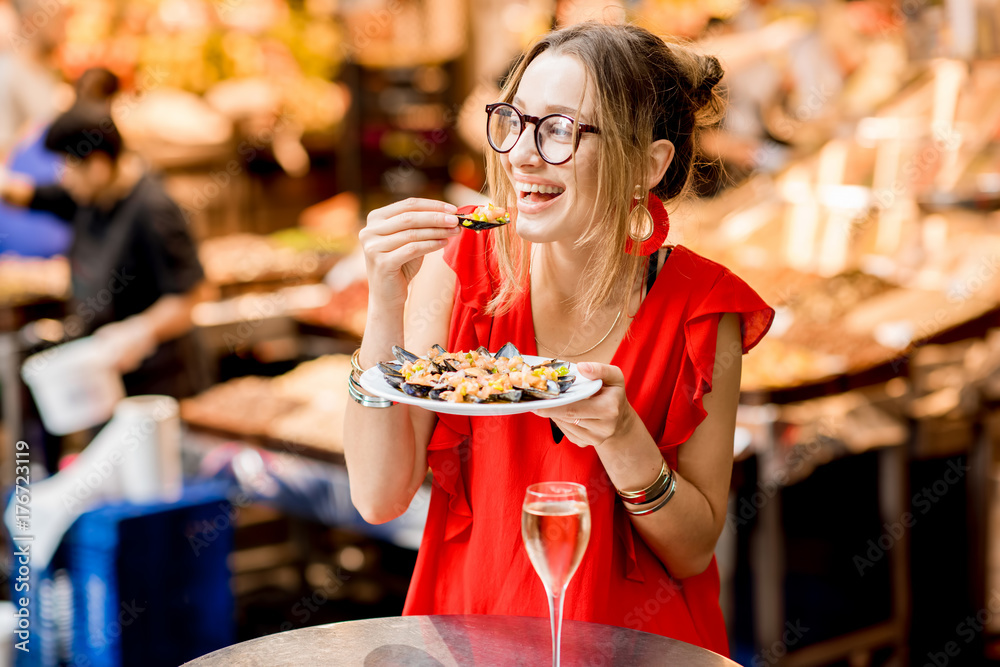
(458, 641)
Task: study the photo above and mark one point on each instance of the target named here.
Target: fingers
(411, 251)
(407, 230)
(602, 405)
(413, 220)
(387, 244)
(414, 204)
(606, 373)
(576, 432)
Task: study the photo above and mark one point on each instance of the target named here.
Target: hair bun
(707, 74)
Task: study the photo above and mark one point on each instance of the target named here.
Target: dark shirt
(123, 259)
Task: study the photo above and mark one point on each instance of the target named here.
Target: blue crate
(150, 585)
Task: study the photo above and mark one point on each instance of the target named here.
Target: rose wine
(555, 534)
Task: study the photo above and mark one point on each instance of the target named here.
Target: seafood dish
(476, 376)
(478, 218)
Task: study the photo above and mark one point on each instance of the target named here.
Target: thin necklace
(562, 354)
(577, 354)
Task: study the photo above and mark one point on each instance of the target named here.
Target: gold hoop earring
(640, 222)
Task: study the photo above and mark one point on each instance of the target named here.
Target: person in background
(35, 233)
(134, 266)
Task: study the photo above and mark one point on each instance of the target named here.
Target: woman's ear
(661, 154)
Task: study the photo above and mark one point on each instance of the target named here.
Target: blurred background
(854, 183)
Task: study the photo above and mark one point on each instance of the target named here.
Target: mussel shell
(484, 352)
(551, 391)
(565, 382)
(512, 396)
(435, 393)
(509, 350)
(394, 380)
(480, 225)
(390, 368)
(402, 356)
(416, 390)
(438, 350)
(446, 365)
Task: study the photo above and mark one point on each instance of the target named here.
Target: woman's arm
(411, 294)
(683, 533)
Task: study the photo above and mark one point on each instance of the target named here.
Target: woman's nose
(524, 150)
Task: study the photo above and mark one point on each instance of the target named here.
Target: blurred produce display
(295, 49)
(879, 242)
(404, 34)
(25, 280)
(347, 310)
(302, 407)
(292, 255)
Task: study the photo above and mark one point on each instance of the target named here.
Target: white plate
(374, 382)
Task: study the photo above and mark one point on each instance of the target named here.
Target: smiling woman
(594, 130)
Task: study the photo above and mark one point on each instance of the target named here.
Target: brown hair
(646, 90)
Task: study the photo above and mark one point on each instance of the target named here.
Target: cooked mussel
(439, 359)
(420, 386)
(551, 391)
(478, 218)
(402, 356)
(443, 393)
(565, 382)
(509, 350)
(512, 396)
(392, 373)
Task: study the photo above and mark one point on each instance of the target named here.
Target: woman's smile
(534, 196)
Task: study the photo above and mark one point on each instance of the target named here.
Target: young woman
(596, 126)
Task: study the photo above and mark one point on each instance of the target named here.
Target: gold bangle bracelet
(356, 370)
(666, 499)
(651, 492)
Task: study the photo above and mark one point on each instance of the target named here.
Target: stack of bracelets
(357, 392)
(661, 489)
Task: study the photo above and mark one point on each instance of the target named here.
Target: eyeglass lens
(554, 136)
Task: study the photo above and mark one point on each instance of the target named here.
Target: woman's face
(553, 83)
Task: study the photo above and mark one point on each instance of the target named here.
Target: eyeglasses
(554, 136)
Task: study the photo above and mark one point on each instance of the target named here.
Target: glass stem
(555, 620)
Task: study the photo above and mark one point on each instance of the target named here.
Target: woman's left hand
(593, 421)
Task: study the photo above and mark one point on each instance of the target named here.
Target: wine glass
(555, 526)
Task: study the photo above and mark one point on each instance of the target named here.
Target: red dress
(472, 560)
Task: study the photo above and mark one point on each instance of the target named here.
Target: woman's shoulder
(713, 289)
(693, 266)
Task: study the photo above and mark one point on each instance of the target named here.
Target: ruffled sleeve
(469, 257)
(728, 294)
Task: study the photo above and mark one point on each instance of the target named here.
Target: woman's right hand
(395, 241)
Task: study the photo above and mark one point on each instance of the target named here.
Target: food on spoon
(476, 376)
(478, 218)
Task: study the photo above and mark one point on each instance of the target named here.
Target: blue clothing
(34, 233)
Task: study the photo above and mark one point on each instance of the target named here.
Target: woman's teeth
(538, 193)
(535, 187)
